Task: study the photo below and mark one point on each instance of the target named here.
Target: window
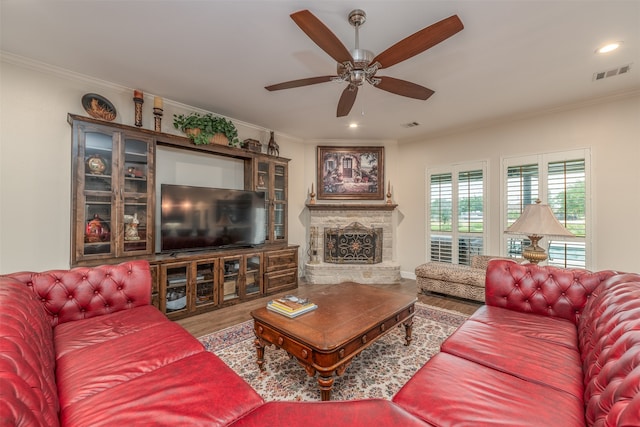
(456, 213)
(560, 180)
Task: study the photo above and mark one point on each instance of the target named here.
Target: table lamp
(536, 222)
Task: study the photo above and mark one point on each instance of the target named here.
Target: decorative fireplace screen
(353, 244)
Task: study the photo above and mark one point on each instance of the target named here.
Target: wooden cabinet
(113, 213)
(281, 270)
(188, 287)
(271, 176)
(113, 193)
(240, 277)
(197, 283)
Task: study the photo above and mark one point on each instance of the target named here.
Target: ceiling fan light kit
(359, 65)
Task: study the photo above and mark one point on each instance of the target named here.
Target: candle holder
(138, 101)
(312, 196)
(157, 119)
(389, 194)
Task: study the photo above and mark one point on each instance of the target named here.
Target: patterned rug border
(234, 334)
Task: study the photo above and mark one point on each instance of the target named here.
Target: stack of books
(291, 306)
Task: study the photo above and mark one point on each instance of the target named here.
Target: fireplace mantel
(351, 207)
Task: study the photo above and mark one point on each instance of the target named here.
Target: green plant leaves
(209, 125)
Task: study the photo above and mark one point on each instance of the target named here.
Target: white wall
(610, 129)
(35, 159)
(35, 167)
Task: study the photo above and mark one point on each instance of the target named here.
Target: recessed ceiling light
(353, 125)
(609, 47)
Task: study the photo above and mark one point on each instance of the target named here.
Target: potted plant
(202, 128)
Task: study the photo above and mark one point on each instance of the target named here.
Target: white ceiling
(512, 58)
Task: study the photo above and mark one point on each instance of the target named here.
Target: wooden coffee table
(349, 318)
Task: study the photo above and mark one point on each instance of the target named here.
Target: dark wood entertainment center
(113, 219)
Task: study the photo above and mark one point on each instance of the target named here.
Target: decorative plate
(99, 107)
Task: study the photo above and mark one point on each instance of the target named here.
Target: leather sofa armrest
(85, 292)
(543, 290)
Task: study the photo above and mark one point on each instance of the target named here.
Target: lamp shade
(538, 220)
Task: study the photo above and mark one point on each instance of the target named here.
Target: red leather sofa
(552, 347)
(84, 347)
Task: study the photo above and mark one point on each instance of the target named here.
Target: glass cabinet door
(262, 181)
(113, 193)
(205, 283)
(253, 275)
(230, 283)
(280, 202)
(98, 213)
(176, 279)
(271, 177)
(134, 193)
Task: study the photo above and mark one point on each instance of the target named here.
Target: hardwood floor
(219, 319)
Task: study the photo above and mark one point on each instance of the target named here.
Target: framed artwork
(350, 173)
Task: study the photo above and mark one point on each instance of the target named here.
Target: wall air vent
(411, 124)
(601, 75)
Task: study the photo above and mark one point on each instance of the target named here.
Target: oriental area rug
(378, 372)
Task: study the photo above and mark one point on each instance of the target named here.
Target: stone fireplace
(352, 242)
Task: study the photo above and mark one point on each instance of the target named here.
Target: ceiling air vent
(411, 124)
(610, 73)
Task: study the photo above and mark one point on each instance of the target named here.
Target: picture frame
(350, 173)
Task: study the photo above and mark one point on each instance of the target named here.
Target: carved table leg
(326, 384)
(408, 326)
(260, 344)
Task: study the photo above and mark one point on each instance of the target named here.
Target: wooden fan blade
(347, 99)
(322, 36)
(419, 42)
(301, 82)
(404, 88)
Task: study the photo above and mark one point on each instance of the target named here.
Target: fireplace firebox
(353, 244)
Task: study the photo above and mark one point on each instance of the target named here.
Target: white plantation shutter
(559, 180)
(470, 215)
(440, 217)
(456, 213)
(522, 190)
(566, 195)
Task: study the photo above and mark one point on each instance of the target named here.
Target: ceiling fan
(361, 65)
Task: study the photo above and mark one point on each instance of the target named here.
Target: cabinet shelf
(92, 148)
(131, 153)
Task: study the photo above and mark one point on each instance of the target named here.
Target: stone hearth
(332, 216)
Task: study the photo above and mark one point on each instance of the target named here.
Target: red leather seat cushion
(195, 391)
(75, 335)
(531, 359)
(550, 329)
(372, 413)
(127, 354)
(452, 391)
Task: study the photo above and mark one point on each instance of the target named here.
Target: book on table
(291, 306)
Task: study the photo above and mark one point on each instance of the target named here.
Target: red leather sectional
(552, 347)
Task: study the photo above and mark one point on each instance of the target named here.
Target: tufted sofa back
(544, 290)
(85, 292)
(609, 337)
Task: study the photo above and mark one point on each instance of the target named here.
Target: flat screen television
(196, 218)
